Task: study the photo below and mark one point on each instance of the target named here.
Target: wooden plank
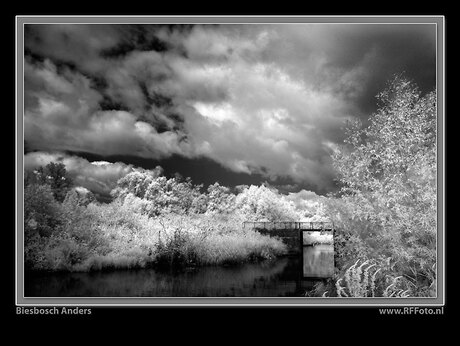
(293, 225)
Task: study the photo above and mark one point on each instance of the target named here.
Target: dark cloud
(354, 60)
(262, 101)
(135, 37)
(77, 44)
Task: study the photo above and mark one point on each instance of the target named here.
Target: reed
(358, 281)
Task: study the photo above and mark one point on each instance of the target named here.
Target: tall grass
(236, 248)
(359, 281)
(372, 279)
(210, 240)
(117, 235)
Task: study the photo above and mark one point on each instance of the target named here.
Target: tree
(53, 174)
(164, 195)
(79, 196)
(42, 213)
(135, 182)
(388, 176)
(260, 203)
(219, 199)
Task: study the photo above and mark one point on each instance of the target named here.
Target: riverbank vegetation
(384, 214)
(152, 221)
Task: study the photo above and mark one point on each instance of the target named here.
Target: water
(318, 261)
(283, 277)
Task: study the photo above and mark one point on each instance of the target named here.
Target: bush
(42, 213)
(42, 220)
(260, 203)
(387, 204)
(65, 254)
(53, 175)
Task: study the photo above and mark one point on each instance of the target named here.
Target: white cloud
(270, 124)
(99, 177)
(100, 163)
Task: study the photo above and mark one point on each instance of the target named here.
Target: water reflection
(318, 261)
(284, 277)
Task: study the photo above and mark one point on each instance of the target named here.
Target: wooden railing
(320, 226)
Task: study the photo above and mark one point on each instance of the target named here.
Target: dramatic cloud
(63, 113)
(265, 99)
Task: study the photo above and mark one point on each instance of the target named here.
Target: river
(283, 277)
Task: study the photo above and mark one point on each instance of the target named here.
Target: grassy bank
(115, 236)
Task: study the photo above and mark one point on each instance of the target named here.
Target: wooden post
(301, 243)
(333, 242)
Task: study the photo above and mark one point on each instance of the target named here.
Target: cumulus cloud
(63, 113)
(266, 99)
(308, 202)
(98, 177)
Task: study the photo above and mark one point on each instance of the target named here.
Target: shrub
(42, 213)
(53, 175)
(387, 171)
(65, 254)
(260, 203)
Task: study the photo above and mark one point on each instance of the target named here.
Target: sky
(237, 104)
